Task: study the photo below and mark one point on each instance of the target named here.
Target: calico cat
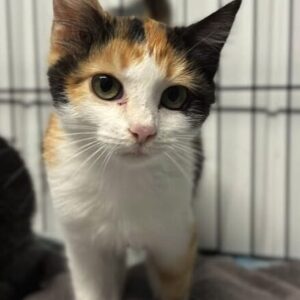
(122, 150)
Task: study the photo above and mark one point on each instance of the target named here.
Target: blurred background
(250, 193)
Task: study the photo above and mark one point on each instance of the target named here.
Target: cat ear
(75, 25)
(206, 38)
(70, 9)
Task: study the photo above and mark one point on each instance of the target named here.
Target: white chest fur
(122, 205)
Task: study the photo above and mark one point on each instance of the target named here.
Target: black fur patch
(199, 160)
(57, 76)
(202, 98)
(95, 38)
(201, 45)
(17, 204)
(136, 31)
(160, 10)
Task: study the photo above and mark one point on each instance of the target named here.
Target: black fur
(201, 44)
(97, 34)
(199, 160)
(26, 261)
(136, 31)
(160, 10)
(16, 203)
(204, 41)
(57, 76)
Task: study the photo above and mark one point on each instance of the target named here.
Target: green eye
(174, 97)
(107, 87)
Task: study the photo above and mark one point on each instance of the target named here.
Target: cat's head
(138, 86)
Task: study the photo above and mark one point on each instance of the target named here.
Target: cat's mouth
(138, 151)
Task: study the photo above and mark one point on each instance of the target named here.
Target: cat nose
(142, 134)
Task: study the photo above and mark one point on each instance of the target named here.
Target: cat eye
(107, 87)
(175, 97)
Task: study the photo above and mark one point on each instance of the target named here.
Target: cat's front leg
(171, 274)
(97, 273)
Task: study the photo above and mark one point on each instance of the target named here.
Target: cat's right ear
(76, 23)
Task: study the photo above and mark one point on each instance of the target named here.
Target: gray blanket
(215, 278)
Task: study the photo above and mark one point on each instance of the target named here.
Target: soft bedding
(215, 278)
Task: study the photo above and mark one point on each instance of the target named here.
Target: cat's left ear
(204, 40)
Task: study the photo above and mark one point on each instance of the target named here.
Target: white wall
(248, 204)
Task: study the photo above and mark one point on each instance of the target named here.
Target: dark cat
(16, 210)
(26, 261)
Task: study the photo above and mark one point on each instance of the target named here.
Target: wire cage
(249, 193)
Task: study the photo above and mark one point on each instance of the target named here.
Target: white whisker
(66, 145)
(106, 160)
(79, 133)
(74, 142)
(83, 149)
(186, 156)
(186, 159)
(85, 162)
(102, 152)
(179, 167)
(187, 149)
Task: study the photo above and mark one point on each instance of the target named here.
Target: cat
(123, 149)
(26, 260)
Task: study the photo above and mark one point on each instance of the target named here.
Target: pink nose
(142, 134)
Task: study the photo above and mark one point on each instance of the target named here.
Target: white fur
(106, 206)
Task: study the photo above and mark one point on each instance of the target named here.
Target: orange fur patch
(113, 59)
(52, 139)
(175, 283)
(174, 65)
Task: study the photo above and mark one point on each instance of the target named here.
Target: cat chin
(137, 158)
